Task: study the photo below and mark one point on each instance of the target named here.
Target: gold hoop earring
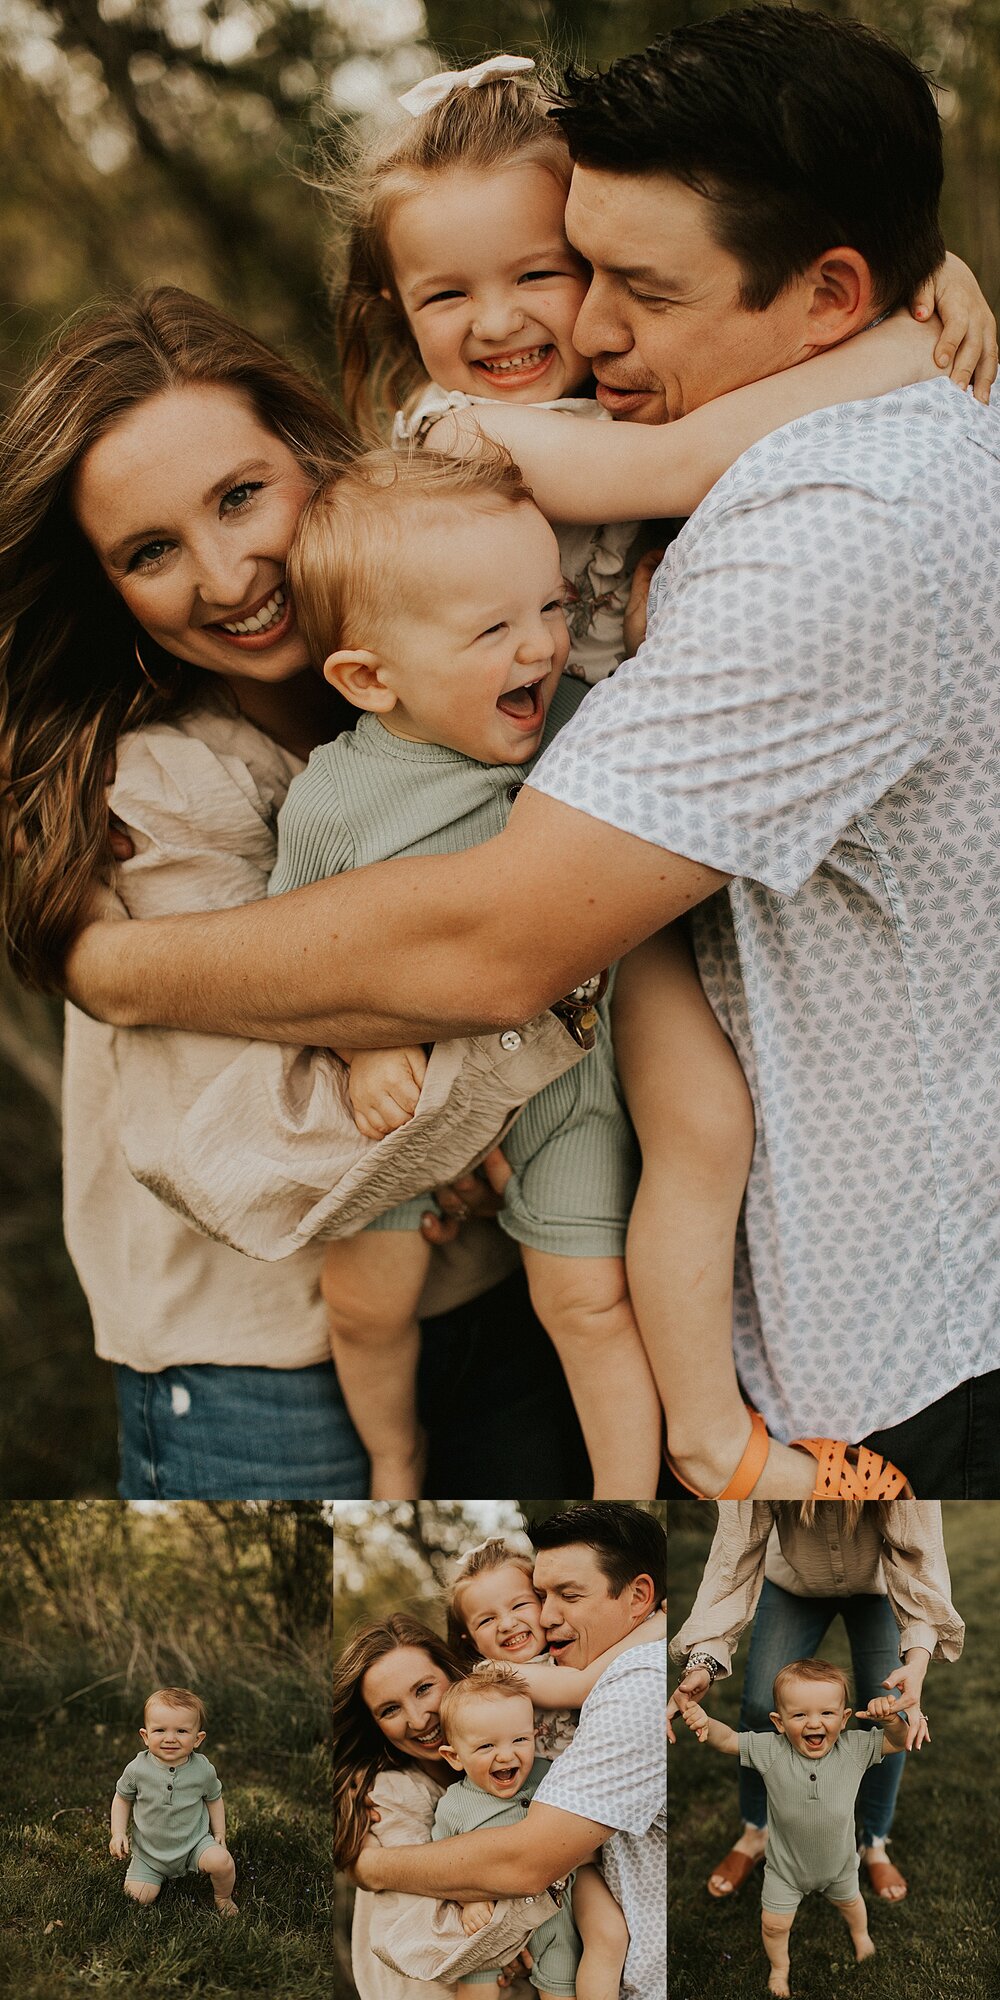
(158, 687)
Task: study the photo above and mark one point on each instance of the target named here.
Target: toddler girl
(493, 1614)
(458, 270)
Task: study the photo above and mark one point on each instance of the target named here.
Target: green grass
(942, 1943)
(55, 1871)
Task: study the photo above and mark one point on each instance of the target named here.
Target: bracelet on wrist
(706, 1661)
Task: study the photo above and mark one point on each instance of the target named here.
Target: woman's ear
(357, 675)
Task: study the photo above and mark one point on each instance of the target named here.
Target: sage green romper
(170, 1829)
(555, 1946)
(810, 1814)
(370, 796)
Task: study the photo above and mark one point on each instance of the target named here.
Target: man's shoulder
(879, 446)
(641, 1667)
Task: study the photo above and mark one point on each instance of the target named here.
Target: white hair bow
(434, 89)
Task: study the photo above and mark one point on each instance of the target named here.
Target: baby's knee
(214, 1860)
(369, 1297)
(776, 1924)
(584, 1294)
(142, 1892)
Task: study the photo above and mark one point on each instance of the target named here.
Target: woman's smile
(265, 622)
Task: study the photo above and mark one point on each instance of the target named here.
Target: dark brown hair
(70, 682)
(360, 1750)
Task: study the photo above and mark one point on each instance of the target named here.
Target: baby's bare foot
(778, 1984)
(863, 1948)
(226, 1907)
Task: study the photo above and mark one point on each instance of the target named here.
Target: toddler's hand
(696, 1720)
(118, 1846)
(384, 1088)
(475, 1917)
(881, 1708)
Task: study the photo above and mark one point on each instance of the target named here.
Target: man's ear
(643, 1595)
(779, 1725)
(452, 1757)
(842, 298)
(357, 675)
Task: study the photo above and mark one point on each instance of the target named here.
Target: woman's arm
(915, 1567)
(625, 472)
(568, 1687)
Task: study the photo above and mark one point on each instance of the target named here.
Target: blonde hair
(350, 548)
(498, 125)
(490, 1678)
(809, 1670)
(177, 1698)
(71, 681)
(490, 1555)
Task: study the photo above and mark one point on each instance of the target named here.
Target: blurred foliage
(101, 1601)
(147, 141)
(400, 1555)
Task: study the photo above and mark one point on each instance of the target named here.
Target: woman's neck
(298, 713)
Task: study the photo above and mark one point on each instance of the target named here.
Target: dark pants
(950, 1451)
(491, 1393)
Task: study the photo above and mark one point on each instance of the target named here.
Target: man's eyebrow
(647, 275)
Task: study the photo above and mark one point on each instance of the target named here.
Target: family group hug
(816, 1794)
(503, 1791)
(425, 785)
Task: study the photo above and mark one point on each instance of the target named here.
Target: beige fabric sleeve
(252, 1143)
(731, 1583)
(918, 1580)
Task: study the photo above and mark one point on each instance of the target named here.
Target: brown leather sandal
(747, 1472)
(734, 1869)
(883, 1876)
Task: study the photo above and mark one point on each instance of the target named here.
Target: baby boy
(812, 1771)
(175, 1800)
(489, 1722)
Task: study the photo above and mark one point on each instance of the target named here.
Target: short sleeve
(757, 1749)
(870, 1750)
(615, 1769)
(213, 1784)
(127, 1786)
(788, 680)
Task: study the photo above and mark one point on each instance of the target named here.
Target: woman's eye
(148, 556)
(239, 496)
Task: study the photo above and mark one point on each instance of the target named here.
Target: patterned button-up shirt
(816, 712)
(615, 1772)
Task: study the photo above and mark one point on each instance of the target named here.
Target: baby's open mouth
(524, 704)
(815, 1738)
(505, 1775)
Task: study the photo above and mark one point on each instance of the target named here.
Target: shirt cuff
(917, 1635)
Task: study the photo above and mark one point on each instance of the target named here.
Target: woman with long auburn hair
(153, 470)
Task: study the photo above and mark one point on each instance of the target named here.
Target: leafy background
(153, 140)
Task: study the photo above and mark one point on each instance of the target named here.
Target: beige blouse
(205, 1119)
(901, 1555)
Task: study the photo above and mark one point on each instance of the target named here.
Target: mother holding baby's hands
(791, 1570)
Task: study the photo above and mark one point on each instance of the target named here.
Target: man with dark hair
(810, 728)
(601, 1572)
(625, 1540)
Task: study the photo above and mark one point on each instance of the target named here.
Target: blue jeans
(491, 1393)
(792, 1628)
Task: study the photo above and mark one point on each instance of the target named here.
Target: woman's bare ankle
(752, 1841)
(708, 1463)
(399, 1475)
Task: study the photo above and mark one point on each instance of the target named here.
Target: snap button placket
(510, 1039)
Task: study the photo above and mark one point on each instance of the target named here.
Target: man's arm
(507, 1861)
(407, 951)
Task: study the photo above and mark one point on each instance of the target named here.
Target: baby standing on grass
(174, 1798)
(812, 1772)
(461, 289)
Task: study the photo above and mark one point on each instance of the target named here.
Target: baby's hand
(881, 1708)
(696, 1719)
(475, 1917)
(384, 1088)
(118, 1846)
